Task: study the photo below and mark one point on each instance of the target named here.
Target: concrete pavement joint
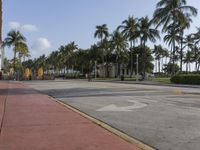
(120, 134)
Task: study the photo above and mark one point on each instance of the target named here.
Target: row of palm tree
(130, 38)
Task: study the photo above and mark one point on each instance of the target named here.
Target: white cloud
(22, 27)
(42, 44)
(29, 28)
(14, 25)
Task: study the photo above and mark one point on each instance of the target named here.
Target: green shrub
(186, 79)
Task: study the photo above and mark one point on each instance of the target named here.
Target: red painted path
(32, 121)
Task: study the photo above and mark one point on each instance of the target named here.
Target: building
(111, 71)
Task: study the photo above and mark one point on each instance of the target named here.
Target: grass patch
(161, 80)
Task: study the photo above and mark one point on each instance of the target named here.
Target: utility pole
(95, 69)
(137, 67)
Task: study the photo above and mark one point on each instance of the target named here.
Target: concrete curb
(120, 134)
(145, 83)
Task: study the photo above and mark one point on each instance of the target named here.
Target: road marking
(115, 108)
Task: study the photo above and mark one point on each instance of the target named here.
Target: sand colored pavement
(33, 121)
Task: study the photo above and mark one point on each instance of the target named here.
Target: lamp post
(137, 67)
(95, 69)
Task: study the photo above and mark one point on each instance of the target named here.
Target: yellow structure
(40, 72)
(28, 73)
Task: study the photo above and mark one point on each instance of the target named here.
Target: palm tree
(188, 60)
(129, 30)
(1, 51)
(165, 54)
(173, 12)
(12, 40)
(62, 58)
(181, 38)
(71, 47)
(101, 33)
(196, 48)
(54, 61)
(170, 38)
(22, 50)
(107, 46)
(119, 44)
(159, 53)
(146, 33)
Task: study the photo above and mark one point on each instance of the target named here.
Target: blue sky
(49, 23)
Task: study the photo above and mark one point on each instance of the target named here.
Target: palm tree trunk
(187, 67)
(174, 48)
(102, 54)
(144, 55)
(156, 65)
(162, 63)
(1, 57)
(181, 62)
(14, 60)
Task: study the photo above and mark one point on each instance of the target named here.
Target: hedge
(186, 79)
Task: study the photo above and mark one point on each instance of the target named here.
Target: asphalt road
(166, 118)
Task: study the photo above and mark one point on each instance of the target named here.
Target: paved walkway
(33, 121)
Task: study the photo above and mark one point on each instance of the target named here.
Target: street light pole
(95, 69)
(137, 67)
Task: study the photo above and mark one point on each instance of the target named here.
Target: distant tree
(173, 12)
(129, 29)
(119, 44)
(13, 39)
(101, 33)
(146, 33)
(168, 68)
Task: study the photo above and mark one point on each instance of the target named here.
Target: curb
(120, 134)
(154, 84)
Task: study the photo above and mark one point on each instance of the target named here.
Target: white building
(112, 71)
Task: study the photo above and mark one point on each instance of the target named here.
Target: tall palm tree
(101, 33)
(12, 40)
(22, 50)
(146, 33)
(173, 12)
(188, 59)
(107, 46)
(129, 30)
(119, 44)
(159, 53)
(170, 38)
(72, 47)
(181, 30)
(1, 50)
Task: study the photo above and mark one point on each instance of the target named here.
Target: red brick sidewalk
(33, 121)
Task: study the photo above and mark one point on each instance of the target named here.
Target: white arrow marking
(113, 107)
